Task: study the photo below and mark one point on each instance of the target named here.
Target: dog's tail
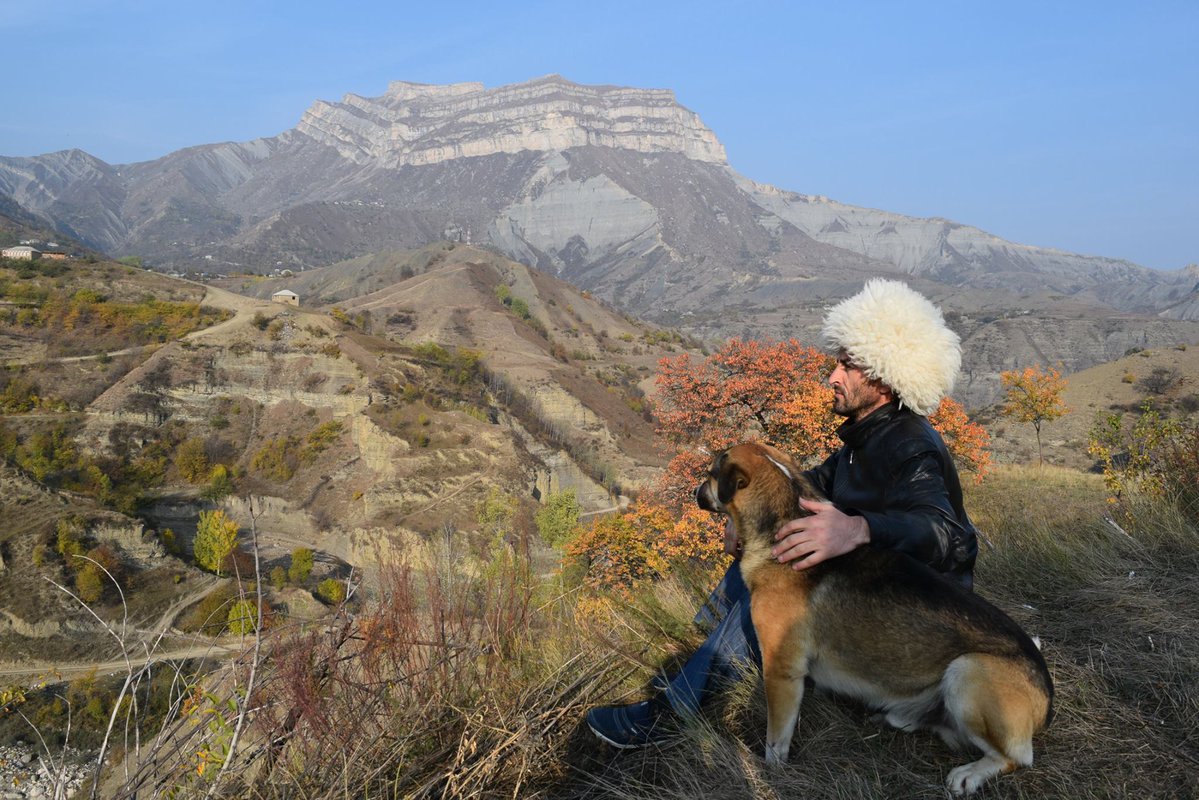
(1036, 640)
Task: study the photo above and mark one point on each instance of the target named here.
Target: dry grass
(1097, 391)
(457, 686)
(1118, 616)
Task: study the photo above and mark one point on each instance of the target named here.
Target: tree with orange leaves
(969, 442)
(616, 552)
(772, 391)
(1035, 396)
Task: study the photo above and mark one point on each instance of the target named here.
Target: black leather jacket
(895, 471)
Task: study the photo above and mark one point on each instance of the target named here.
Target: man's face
(855, 395)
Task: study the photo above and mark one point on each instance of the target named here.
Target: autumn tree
(1035, 396)
(216, 537)
(772, 391)
(89, 583)
(968, 442)
(220, 483)
(191, 460)
(614, 554)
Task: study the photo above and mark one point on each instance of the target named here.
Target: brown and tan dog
(879, 626)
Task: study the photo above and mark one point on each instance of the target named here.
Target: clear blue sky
(1063, 124)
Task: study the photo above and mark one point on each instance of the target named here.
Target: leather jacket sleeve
(895, 471)
(822, 476)
(919, 518)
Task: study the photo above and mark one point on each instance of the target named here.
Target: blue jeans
(731, 645)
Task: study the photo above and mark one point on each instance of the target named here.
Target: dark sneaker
(633, 725)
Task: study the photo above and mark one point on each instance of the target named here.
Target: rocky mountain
(622, 192)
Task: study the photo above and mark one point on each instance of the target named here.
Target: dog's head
(757, 480)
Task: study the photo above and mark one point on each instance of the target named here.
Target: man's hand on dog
(826, 534)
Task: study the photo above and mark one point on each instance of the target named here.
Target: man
(892, 484)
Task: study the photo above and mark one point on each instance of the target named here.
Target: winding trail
(58, 672)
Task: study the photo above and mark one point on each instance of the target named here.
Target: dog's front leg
(784, 665)
(784, 694)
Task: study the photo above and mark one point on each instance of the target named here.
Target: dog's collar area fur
(772, 516)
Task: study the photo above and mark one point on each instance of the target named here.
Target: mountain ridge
(623, 192)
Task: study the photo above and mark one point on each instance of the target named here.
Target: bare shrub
(1160, 381)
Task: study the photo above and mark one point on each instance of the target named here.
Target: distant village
(34, 250)
(27, 251)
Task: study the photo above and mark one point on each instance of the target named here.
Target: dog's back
(881, 619)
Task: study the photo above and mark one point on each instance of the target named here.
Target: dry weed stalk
(441, 686)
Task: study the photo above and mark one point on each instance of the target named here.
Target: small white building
(21, 252)
(286, 297)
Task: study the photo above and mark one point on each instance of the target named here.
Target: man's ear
(732, 478)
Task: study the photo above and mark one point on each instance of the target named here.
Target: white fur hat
(899, 337)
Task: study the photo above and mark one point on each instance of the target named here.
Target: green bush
(558, 517)
(70, 540)
(277, 459)
(301, 565)
(210, 616)
(320, 440)
(331, 590)
(243, 618)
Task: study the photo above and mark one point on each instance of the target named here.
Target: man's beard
(846, 405)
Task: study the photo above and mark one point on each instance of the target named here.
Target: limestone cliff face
(933, 247)
(421, 125)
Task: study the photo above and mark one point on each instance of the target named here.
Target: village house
(286, 296)
(21, 252)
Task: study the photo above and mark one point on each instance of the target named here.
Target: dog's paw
(967, 778)
(776, 755)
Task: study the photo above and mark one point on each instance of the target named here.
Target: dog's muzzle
(705, 498)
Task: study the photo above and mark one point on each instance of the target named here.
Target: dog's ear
(731, 478)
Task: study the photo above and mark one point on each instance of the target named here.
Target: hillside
(410, 395)
(1165, 377)
(358, 429)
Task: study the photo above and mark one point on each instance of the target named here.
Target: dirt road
(57, 672)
